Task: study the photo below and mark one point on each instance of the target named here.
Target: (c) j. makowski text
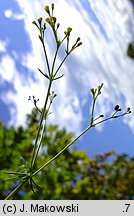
(50, 208)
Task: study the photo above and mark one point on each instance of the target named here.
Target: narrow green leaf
(41, 71)
(58, 77)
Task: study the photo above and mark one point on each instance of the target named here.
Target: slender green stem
(12, 178)
(55, 35)
(38, 148)
(106, 119)
(63, 39)
(57, 155)
(51, 74)
(67, 146)
(38, 109)
(60, 152)
(67, 43)
(40, 125)
(44, 48)
(92, 112)
(52, 71)
(16, 189)
(16, 173)
(61, 64)
(35, 154)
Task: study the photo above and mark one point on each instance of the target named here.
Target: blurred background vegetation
(130, 50)
(73, 175)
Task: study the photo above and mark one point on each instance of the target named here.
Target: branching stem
(51, 76)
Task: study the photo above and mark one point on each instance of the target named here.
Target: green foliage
(73, 175)
(130, 50)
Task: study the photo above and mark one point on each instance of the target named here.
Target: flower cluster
(118, 109)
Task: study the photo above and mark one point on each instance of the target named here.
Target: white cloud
(9, 14)
(18, 96)
(3, 46)
(102, 58)
(7, 68)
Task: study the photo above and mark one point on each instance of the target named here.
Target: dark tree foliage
(130, 50)
(73, 175)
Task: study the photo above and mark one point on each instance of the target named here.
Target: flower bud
(69, 30)
(79, 44)
(35, 23)
(128, 109)
(116, 108)
(78, 39)
(52, 6)
(93, 90)
(40, 20)
(29, 98)
(65, 32)
(54, 19)
(48, 20)
(100, 87)
(47, 9)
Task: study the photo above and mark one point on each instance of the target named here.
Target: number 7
(127, 207)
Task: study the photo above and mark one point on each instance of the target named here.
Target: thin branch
(67, 146)
(16, 189)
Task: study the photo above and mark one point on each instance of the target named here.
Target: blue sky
(105, 28)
